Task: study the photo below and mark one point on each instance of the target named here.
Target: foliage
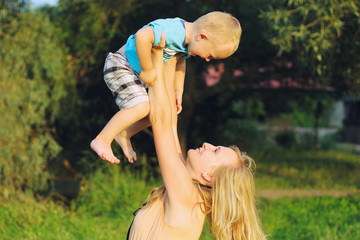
(90, 30)
(286, 139)
(111, 190)
(238, 118)
(299, 107)
(306, 141)
(329, 141)
(252, 107)
(245, 135)
(322, 36)
(14, 5)
(34, 85)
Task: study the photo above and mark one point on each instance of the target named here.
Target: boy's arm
(144, 39)
(179, 82)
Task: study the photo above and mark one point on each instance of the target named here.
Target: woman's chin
(191, 151)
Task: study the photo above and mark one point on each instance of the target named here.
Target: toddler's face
(207, 50)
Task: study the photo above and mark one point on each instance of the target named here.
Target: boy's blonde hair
(230, 202)
(225, 28)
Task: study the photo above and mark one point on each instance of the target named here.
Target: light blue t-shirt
(174, 29)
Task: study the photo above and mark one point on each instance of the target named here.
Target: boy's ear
(202, 36)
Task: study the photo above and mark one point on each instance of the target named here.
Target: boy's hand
(178, 101)
(161, 44)
(148, 76)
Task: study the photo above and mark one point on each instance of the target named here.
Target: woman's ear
(206, 176)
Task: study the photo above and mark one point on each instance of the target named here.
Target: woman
(213, 180)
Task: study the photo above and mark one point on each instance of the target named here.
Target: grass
(108, 197)
(102, 211)
(321, 218)
(34, 220)
(315, 169)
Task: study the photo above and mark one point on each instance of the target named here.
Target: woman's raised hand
(159, 99)
(161, 44)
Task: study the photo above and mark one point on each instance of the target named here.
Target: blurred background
(289, 97)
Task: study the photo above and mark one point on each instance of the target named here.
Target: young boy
(129, 71)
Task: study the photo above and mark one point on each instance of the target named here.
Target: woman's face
(206, 159)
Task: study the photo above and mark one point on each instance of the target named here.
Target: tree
(91, 29)
(322, 37)
(34, 86)
(14, 5)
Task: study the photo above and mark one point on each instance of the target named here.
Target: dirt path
(279, 193)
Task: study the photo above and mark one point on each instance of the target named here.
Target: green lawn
(317, 169)
(320, 218)
(104, 207)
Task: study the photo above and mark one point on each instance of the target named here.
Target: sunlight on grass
(312, 218)
(284, 169)
(108, 197)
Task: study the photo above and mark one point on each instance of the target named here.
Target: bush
(111, 191)
(329, 141)
(305, 141)
(245, 134)
(286, 139)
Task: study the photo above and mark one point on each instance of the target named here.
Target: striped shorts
(123, 82)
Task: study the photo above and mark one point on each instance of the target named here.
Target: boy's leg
(118, 123)
(123, 139)
(169, 75)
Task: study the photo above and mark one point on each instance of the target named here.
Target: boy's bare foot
(126, 146)
(103, 149)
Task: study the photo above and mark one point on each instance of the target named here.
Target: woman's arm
(178, 183)
(179, 82)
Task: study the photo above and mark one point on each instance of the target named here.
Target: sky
(38, 3)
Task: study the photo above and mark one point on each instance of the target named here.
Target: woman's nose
(207, 145)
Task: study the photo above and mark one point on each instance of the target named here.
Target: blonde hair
(223, 26)
(234, 213)
(230, 201)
